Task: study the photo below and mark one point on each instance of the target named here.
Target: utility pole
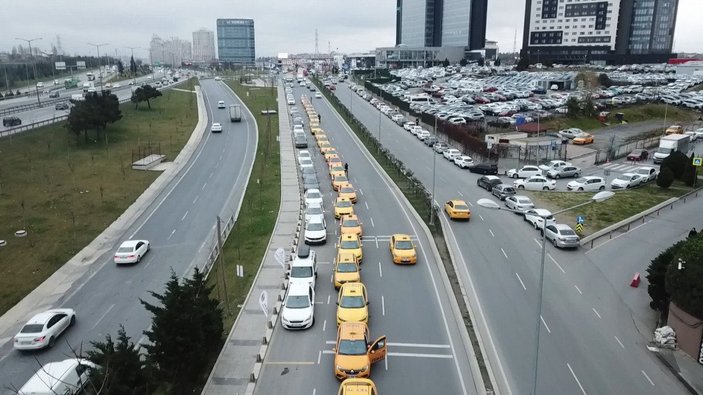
(34, 66)
(100, 69)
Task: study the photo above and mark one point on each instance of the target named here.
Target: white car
(216, 128)
(525, 172)
(318, 95)
(298, 310)
(422, 135)
(62, 377)
(648, 173)
(451, 153)
(42, 330)
(562, 236)
(407, 125)
(313, 197)
(588, 183)
(216, 78)
(303, 269)
(305, 163)
(519, 203)
(314, 212)
(116, 85)
(626, 181)
(538, 216)
(570, 133)
(304, 154)
(316, 232)
(463, 161)
(554, 165)
(535, 183)
(132, 251)
(415, 130)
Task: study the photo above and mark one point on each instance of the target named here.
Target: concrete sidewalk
(239, 363)
(685, 368)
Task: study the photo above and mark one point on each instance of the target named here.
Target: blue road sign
(580, 219)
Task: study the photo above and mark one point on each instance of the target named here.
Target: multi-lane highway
(428, 351)
(179, 224)
(589, 343)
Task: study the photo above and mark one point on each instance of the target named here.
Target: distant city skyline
(361, 26)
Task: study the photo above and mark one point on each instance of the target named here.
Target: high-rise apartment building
(235, 41)
(600, 31)
(203, 46)
(173, 51)
(441, 23)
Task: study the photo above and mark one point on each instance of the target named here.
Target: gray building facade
(235, 41)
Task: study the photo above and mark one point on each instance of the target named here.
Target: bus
(91, 76)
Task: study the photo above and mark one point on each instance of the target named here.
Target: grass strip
(65, 192)
(634, 113)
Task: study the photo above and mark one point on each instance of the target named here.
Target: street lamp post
(379, 121)
(34, 65)
(489, 203)
(434, 172)
(100, 69)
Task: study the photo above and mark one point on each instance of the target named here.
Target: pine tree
(121, 370)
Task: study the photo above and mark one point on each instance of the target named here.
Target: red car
(638, 155)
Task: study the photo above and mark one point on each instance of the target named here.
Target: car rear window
(301, 272)
(125, 249)
(32, 328)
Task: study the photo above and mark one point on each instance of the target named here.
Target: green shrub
(685, 285)
(665, 178)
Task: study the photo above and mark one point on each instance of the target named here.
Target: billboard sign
(80, 65)
(60, 65)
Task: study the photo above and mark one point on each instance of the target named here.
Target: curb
(55, 288)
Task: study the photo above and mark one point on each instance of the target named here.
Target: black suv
(61, 106)
(484, 168)
(11, 121)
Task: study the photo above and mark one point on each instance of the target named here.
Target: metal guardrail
(25, 107)
(625, 225)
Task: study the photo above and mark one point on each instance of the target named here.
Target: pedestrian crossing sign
(580, 219)
(579, 228)
(698, 162)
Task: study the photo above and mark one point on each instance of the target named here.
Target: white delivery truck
(672, 143)
(67, 377)
(235, 113)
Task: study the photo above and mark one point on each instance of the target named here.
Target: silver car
(563, 172)
(562, 236)
(519, 203)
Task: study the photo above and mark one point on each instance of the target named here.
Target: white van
(65, 377)
(303, 269)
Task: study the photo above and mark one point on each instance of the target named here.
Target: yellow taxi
(315, 131)
(337, 169)
(347, 191)
(346, 270)
(352, 303)
(314, 123)
(583, 138)
(352, 244)
(674, 129)
(324, 146)
(332, 154)
(357, 386)
(350, 224)
(343, 206)
(402, 249)
(322, 139)
(336, 162)
(338, 181)
(321, 136)
(457, 209)
(354, 352)
(312, 115)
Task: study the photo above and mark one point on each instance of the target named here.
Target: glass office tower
(235, 41)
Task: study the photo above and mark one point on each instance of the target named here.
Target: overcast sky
(281, 25)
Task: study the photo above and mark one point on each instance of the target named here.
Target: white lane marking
(470, 204)
(372, 225)
(314, 390)
(416, 345)
(619, 342)
(491, 232)
(380, 270)
(577, 288)
(361, 191)
(545, 325)
(503, 251)
(171, 235)
(376, 239)
(319, 357)
(481, 217)
(576, 378)
(367, 205)
(211, 174)
(196, 199)
(609, 240)
(647, 377)
(328, 352)
(415, 355)
(328, 299)
(324, 326)
(521, 283)
(556, 263)
(383, 305)
(460, 194)
(386, 361)
(596, 311)
(538, 243)
(103, 316)
(184, 215)
(331, 278)
(203, 186)
(221, 157)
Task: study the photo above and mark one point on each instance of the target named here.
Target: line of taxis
(355, 351)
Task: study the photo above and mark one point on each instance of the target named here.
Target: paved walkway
(238, 366)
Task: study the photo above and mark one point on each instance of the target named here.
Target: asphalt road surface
(588, 344)
(408, 304)
(179, 224)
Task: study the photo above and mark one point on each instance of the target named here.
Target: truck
(87, 86)
(672, 143)
(235, 113)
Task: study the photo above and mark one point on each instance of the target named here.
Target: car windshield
(352, 302)
(340, 179)
(403, 245)
(349, 244)
(567, 232)
(352, 347)
(524, 201)
(461, 207)
(347, 190)
(314, 211)
(315, 226)
(623, 178)
(125, 249)
(346, 268)
(301, 272)
(32, 328)
(297, 302)
(344, 203)
(581, 181)
(351, 223)
(314, 195)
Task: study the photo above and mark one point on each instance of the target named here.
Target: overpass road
(411, 305)
(179, 224)
(589, 343)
